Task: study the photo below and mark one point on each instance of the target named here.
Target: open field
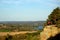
(23, 35)
(15, 33)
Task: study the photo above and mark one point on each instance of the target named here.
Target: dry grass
(14, 33)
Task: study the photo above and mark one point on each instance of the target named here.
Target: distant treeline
(19, 26)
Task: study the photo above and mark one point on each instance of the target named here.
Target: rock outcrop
(49, 31)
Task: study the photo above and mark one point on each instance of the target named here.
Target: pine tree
(54, 17)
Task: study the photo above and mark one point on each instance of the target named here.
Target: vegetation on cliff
(54, 17)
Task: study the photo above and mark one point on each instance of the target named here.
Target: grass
(33, 36)
(4, 30)
(26, 36)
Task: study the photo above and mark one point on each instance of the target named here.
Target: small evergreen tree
(54, 17)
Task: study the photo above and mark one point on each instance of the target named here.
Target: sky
(26, 10)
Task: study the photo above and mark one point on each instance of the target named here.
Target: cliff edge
(48, 31)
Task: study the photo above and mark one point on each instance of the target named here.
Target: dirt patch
(14, 33)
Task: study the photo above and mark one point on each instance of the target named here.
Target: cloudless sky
(26, 10)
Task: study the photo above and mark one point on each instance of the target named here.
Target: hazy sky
(26, 10)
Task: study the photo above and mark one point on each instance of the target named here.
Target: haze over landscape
(29, 19)
(26, 10)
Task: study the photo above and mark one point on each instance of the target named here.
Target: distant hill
(21, 22)
(21, 25)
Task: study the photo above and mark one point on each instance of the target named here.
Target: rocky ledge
(49, 31)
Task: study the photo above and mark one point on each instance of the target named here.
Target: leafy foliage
(54, 17)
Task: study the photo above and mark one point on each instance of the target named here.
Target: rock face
(49, 31)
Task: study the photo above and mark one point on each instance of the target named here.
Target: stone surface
(49, 31)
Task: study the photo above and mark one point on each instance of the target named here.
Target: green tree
(55, 16)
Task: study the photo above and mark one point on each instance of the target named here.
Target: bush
(54, 17)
